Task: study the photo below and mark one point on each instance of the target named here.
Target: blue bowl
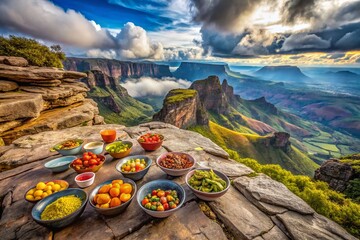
(61, 222)
(70, 151)
(165, 185)
(94, 147)
(134, 175)
(60, 164)
(114, 210)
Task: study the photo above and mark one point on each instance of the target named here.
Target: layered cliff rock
(118, 69)
(182, 108)
(35, 99)
(114, 102)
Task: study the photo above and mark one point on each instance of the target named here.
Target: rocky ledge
(255, 207)
(35, 99)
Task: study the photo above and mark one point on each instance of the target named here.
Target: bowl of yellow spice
(61, 208)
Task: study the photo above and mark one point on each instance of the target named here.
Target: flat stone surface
(15, 61)
(5, 126)
(275, 233)
(241, 217)
(264, 189)
(312, 227)
(15, 105)
(6, 86)
(181, 226)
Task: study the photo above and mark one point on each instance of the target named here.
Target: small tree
(36, 53)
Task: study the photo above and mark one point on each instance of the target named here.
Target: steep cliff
(118, 69)
(282, 73)
(36, 99)
(182, 108)
(115, 104)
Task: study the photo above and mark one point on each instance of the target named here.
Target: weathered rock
(63, 102)
(15, 61)
(181, 226)
(242, 218)
(58, 118)
(7, 86)
(15, 105)
(264, 189)
(182, 108)
(303, 227)
(278, 140)
(50, 83)
(5, 126)
(336, 173)
(274, 233)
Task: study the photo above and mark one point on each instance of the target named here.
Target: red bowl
(151, 146)
(108, 135)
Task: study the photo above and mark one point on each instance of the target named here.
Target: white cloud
(147, 86)
(98, 53)
(304, 41)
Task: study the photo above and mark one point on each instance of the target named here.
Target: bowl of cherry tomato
(89, 162)
(113, 197)
(134, 167)
(161, 198)
(151, 141)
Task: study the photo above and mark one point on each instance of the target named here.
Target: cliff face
(115, 104)
(286, 73)
(182, 108)
(36, 99)
(118, 69)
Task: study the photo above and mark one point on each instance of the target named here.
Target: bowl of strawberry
(161, 198)
(151, 141)
(89, 162)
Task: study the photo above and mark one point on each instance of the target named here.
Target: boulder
(16, 105)
(15, 61)
(7, 86)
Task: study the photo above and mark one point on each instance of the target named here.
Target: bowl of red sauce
(85, 179)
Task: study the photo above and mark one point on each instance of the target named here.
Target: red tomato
(163, 200)
(166, 206)
(154, 193)
(144, 201)
(86, 157)
(167, 192)
(93, 162)
(86, 163)
(77, 162)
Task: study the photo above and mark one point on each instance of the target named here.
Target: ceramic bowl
(208, 196)
(134, 175)
(108, 135)
(151, 146)
(64, 184)
(175, 172)
(61, 222)
(69, 151)
(94, 147)
(90, 178)
(119, 154)
(165, 185)
(59, 164)
(114, 210)
(89, 169)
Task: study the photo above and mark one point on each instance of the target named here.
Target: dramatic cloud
(304, 41)
(350, 40)
(348, 12)
(298, 9)
(147, 86)
(42, 19)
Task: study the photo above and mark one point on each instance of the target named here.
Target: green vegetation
(353, 188)
(317, 194)
(36, 53)
(178, 95)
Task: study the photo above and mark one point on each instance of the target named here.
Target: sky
(256, 32)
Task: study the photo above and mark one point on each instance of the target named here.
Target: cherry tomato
(154, 193)
(166, 206)
(167, 192)
(163, 200)
(86, 157)
(160, 208)
(93, 162)
(161, 193)
(170, 198)
(86, 163)
(144, 201)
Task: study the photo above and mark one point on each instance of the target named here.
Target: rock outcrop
(35, 99)
(182, 108)
(255, 207)
(118, 69)
(278, 140)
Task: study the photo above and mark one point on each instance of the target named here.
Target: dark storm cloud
(350, 40)
(298, 9)
(348, 12)
(304, 41)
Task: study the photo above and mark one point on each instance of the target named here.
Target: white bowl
(85, 183)
(94, 147)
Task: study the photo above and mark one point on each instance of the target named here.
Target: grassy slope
(251, 146)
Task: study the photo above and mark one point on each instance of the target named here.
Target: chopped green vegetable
(207, 181)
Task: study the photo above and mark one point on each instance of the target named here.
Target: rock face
(118, 69)
(182, 108)
(195, 71)
(48, 99)
(254, 208)
(279, 140)
(336, 173)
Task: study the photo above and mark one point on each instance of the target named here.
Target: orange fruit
(104, 189)
(124, 197)
(115, 202)
(116, 185)
(106, 205)
(119, 181)
(103, 198)
(126, 188)
(114, 192)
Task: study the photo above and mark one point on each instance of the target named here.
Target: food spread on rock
(89, 161)
(134, 165)
(207, 181)
(61, 207)
(161, 200)
(113, 194)
(176, 161)
(42, 190)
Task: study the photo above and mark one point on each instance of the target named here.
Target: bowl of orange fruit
(113, 196)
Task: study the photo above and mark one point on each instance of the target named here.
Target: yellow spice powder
(61, 207)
